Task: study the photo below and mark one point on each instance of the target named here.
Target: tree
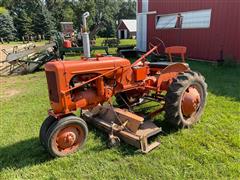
(23, 24)
(107, 10)
(68, 14)
(56, 9)
(80, 7)
(6, 25)
(42, 21)
(41, 16)
(127, 10)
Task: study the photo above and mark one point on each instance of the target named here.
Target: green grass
(99, 43)
(209, 150)
(15, 43)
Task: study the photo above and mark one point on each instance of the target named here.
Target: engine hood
(87, 65)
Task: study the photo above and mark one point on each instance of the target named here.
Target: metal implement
(129, 127)
(27, 59)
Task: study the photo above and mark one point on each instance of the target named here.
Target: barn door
(142, 32)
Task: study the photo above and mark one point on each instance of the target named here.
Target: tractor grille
(52, 86)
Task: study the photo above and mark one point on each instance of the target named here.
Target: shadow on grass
(23, 153)
(30, 152)
(124, 149)
(222, 80)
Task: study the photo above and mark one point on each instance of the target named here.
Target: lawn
(15, 43)
(209, 150)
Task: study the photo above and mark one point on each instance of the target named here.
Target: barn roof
(131, 24)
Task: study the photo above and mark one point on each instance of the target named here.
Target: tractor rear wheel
(185, 99)
(66, 136)
(44, 128)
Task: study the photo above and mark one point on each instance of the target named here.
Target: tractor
(89, 85)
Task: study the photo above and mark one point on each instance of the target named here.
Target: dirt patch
(9, 93)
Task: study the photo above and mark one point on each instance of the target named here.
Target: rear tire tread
(174, 94)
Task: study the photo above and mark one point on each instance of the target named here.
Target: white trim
(145, 5)
(119, 34)
(125, 34)
(148, 13)
(142, 32)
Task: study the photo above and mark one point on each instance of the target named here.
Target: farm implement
(27, 59)
(89, 85)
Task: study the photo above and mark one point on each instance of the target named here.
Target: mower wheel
(66, 136)
(44, 128)
(185, 99)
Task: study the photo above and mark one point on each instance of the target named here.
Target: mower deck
(125, 125)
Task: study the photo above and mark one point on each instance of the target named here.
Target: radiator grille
(52, 86)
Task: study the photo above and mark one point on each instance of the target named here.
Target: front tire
(186, 99)
(44, 128)
(66, 136)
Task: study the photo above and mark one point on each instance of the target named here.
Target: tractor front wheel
(44, 128)
(66, 136)
(186, 99)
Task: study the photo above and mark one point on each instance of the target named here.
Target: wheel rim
(191, 101)
(69, 139)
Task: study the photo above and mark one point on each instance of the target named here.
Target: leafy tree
(23, 24)
(6, 25)
(40, 16)
(68, 14)
(127, 10)
(80, 7)
(42, 21)
(107, 10)
(56, 8)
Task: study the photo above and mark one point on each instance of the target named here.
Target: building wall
(221, 39)
(132, 35)
(122, 27)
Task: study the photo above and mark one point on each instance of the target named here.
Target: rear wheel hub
(190, 101)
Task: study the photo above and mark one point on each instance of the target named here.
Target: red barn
(210, 29)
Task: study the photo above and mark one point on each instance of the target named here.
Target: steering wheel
(156, 42)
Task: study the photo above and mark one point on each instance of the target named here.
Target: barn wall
(223, 36)
(139, 6)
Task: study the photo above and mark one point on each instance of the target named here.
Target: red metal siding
(222, 36)
(139, 6)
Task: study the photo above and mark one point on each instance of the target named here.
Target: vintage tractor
(90, 83)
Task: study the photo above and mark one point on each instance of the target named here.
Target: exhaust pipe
(85, 36)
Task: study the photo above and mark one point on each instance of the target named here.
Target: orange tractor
(89, 85)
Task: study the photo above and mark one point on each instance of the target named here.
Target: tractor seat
(162, 64)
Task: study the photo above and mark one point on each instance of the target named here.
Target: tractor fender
(168, 73)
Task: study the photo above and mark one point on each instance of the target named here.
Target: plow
(89, 85)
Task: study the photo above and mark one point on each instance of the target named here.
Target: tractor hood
(92, 65)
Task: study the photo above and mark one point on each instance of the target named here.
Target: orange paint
(87, 82)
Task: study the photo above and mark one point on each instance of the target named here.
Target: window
(166, 22)
(185, 20)
(196, 19)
